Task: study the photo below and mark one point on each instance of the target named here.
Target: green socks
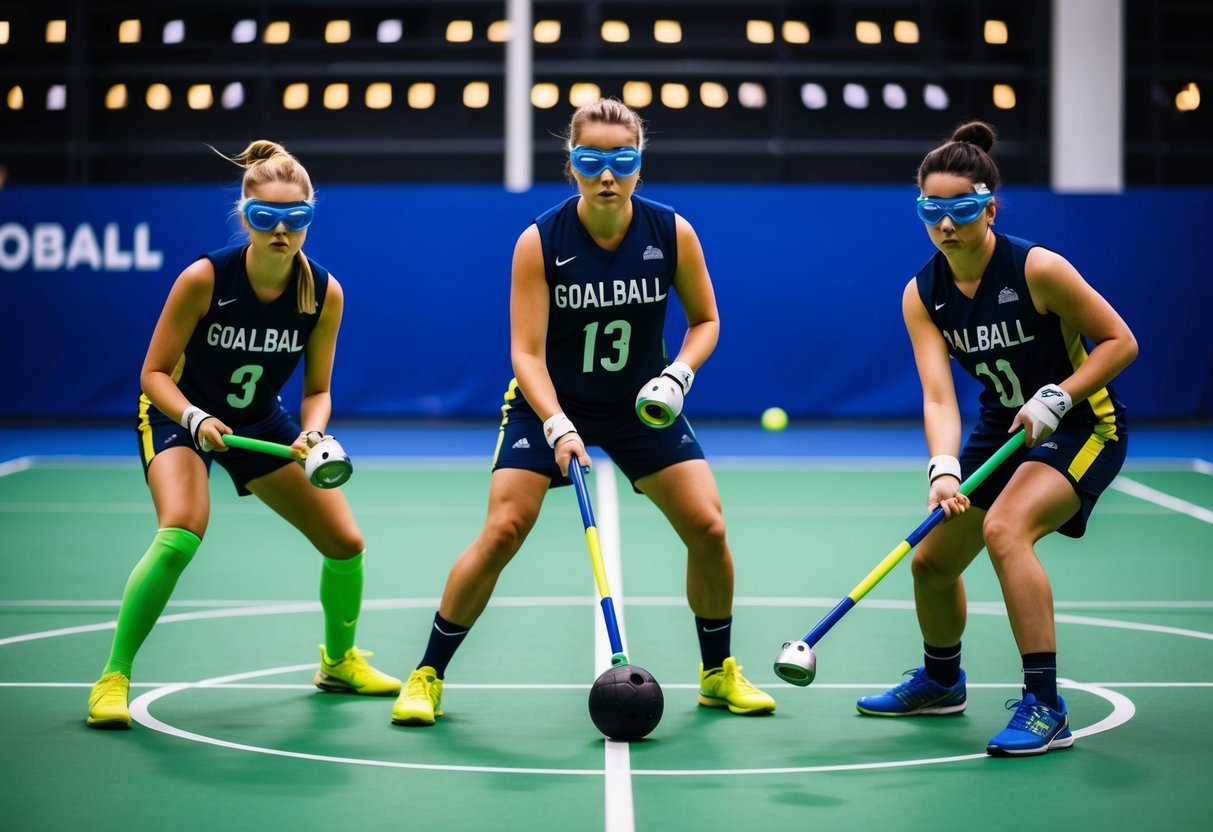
(341, 598)
(147, 592)
(154, 577)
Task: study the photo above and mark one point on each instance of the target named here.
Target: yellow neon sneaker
(419, 703)
(107, 702)
(725, 687)
(353, 674)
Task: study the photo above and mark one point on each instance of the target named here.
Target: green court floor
(230, 734)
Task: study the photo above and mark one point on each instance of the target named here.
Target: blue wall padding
(808, 281)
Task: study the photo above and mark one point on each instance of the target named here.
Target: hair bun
(976, 132)
(261, 149)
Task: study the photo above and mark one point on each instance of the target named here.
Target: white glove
(682, 374)
(1042, 414)
(660, 400)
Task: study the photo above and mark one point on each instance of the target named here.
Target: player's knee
(930, 570)
(503, 535)
(345, 546)
(193, 524)
(707, 532)
(337, 541)
(1000, 535)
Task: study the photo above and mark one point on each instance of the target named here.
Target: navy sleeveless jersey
(1002, 341)
(606, 315)
(243, 351)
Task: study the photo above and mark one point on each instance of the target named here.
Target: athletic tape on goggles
(265, 216)
(962, 209)
(590, 161)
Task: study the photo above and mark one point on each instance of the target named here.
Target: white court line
(1122, 707)
(139, 710)
(1122, 711)
(14, 466)
(977, 608)
(1153, 495)
(617, 763)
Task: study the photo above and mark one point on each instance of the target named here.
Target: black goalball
(626, 702)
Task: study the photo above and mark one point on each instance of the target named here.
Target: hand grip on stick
(327, 463)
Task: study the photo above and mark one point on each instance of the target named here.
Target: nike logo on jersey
(939, 306)
(560, 262)
(229, 300)
(716, 629)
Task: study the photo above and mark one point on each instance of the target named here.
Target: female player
(590, 281)
(232, 331)
(1018, 318)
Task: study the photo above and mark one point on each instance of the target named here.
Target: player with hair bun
(1045, 347)
(591, 279)
(235, 325)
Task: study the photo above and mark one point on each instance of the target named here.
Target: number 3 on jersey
(246, 379)
(622, 330)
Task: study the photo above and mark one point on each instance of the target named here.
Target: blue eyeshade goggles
(265, 216)
(962, 209)
(590, 161)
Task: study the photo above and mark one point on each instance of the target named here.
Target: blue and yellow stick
(591, 538)
(796, 663)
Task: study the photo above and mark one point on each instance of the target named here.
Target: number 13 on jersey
(616, 336)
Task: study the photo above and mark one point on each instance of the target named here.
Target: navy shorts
(637, 449)
(157, 432)
(1089, 457)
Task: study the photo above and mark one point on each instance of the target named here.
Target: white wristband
(943, 465)
(682, 374)
(191, 419)
(556, 427)
(1048, 405)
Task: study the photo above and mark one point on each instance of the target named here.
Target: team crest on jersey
(1007, 295)
(652, 253)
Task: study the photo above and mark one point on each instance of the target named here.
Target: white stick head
(327, 464)
(796, 664)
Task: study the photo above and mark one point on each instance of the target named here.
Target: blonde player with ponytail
(235, 326)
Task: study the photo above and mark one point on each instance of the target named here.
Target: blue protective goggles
(265, 216)
(962, 209)
(590, 161)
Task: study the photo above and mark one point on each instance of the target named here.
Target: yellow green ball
(774, 419)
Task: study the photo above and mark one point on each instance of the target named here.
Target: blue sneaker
(1034, 729)
(918, 695)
